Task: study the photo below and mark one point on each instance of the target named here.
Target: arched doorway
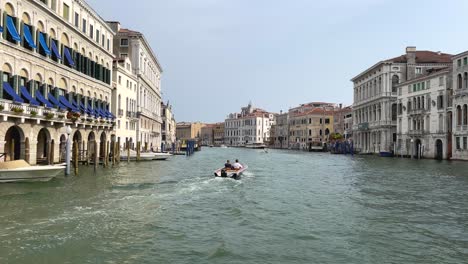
(439, 146)
(43, 147)
(417, 148)
(14, 148)
(91, 143)
(63, 148)
(102, 146)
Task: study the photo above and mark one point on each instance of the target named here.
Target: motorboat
(223, 146)
(230, 173)
(255, 146)
(21, 171)
(161, 155)
(144, 156)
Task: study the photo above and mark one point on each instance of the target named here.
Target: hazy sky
(218, 55)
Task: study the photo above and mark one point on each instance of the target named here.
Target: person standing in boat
(237, 165)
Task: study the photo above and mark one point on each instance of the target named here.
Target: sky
(219, 55)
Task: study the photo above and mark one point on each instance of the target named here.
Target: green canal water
(290, 207)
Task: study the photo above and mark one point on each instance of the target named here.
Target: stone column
(33, 151)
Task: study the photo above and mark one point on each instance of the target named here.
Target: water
(289, 207)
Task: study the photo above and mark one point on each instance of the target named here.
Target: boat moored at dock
(21, 171)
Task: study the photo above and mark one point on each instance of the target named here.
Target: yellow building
(310, 128)
(185, 130)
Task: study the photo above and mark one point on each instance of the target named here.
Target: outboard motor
(223, 173)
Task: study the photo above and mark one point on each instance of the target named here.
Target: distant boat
(386, 154)
(255, 146)
(161, 155)
(223, 146)
(144, 156)
(21, 171)
(230, 173)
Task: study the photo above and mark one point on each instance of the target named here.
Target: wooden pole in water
(107, 153)
(128, 153)
(138, 150)
(88, 156)
(75, 157)
(96, 156)
(12, 150)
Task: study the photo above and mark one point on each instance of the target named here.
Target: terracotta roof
(424, 56)
(126, 30)
(316, 111)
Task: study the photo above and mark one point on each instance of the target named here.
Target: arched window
(422, 102)
(24, 77)
(465, 112)
(465, 78)
(459, 81)
(119, 102)
(395, 81)
(459, 116)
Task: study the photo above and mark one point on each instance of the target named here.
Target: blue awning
(65, 102)
(28, 96)
(68, 57)
(110, 114)
(56, 102)
(28, 36)
(43, 43)
(90, 108)
(42, 99)
(12, 28)
(1, 29)
(9, 90)
(74, 103)
(55, 50)
(86, 110)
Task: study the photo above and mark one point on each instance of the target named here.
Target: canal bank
(289, 207)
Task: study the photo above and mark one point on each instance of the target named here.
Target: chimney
(410, 56)
(341, 106)
(114, 25)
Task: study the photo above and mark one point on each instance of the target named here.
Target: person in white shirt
(237, 165)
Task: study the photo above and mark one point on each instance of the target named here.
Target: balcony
(25, 112)
(460, 92)
(417, 132)
(418, 111)
(121, 112)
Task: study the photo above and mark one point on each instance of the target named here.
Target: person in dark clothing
(228, 165)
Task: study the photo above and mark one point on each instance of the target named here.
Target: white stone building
(460, 106)
(375, 97)
(169, 126)
(424, 115)
(124, 98)
(145, 65)
(56, 59)
(251, 126)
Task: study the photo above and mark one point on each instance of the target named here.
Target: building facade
(186, 131)
(460, 106)
(168, 128)
(124, 98)
(424, 116)
(146, 67)
(310, 128)
(207, 135)
(251, 126)
(218, 134)
(281, 131)
(56, 59)
(375, 97)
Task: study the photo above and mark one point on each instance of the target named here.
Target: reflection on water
(289, 207)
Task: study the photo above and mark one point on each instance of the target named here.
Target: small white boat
(255, 146)
(223, 146)
(161, 155)
(230, 173)
(21, 171)
(144, 156)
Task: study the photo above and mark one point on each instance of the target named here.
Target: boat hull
(233, 174)
(161, 156)
(31, 174)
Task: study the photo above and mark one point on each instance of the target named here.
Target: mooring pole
(68, 151)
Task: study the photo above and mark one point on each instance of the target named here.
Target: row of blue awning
(62, 103)
(42, 41)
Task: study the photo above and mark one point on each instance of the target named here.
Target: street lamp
(68, 130)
